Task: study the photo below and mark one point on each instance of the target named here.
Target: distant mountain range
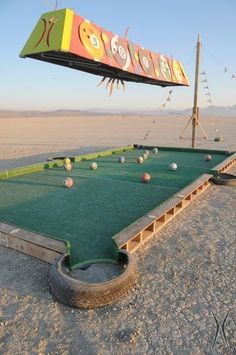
(224, 111)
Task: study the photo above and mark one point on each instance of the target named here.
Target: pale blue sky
(170, 27)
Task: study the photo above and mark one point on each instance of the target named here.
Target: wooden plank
(133, 245)
(146, 233)
(165, 209)
(28, 248)
(3, 239)
(230, 160)
(194, 185)
(37, 239)
(6, 228)
(128, 233)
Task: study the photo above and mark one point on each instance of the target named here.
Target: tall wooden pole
(195, 104)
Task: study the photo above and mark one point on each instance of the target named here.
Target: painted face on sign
(91, 40)
(165, 69)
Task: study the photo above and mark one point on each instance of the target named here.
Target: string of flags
(204, 80)
(168, 99)
(208, 94)
(227, 71)
(233, 76)
(154, 122)
(208, 97)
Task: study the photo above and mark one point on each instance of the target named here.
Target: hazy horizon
(211, 111)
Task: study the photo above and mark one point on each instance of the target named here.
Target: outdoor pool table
(107, 208)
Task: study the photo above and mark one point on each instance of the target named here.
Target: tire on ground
(76, 293)
(224, 179)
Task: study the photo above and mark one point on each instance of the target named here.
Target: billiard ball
(144, 156)
(146, 177)
(93, 166)
(68, 182)
(208, 157)
(140, 160)
(67, 161)
(67, 167)
(121, 160)
(155, 150)
(173, 166)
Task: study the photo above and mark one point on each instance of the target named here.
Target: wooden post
(195, 104)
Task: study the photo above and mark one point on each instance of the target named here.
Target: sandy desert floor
(187, 273)
(41, 136)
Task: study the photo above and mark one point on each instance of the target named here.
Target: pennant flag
(146, 135)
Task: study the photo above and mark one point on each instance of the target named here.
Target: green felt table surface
(101, 202)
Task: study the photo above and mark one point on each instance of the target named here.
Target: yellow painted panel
(66, 37)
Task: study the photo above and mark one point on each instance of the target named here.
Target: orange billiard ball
(146, 177)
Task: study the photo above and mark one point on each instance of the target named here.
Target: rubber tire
(224, 179)
(76, 293)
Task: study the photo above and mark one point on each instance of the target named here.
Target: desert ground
(187, 272)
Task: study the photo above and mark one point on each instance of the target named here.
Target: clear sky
(168, 27)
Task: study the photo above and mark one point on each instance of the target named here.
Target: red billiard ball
(68, 182)
(146, 177)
